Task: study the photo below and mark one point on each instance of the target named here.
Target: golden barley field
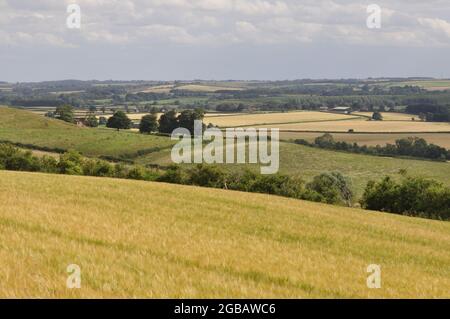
(278, 118)
(365, 126)
(142, 239)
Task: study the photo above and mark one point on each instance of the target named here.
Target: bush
(98, 168)
(333, 188)
(173, 175)
(12, 158)
(206, 176)
(414, 196)
(71, 163)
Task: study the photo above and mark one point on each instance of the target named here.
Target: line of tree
(69, 163)
(413, 196)
(171, 120)
(408, 147)
(331, 188)
(430, 111)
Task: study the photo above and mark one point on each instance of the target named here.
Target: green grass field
(142, 239)
(29, 128)
(308, 162)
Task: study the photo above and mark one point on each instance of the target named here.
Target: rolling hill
(142, 239)
(24, 127)
(29, 128)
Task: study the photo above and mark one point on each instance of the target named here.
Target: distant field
(148, 240)
(365, 126)
(431, 85)
(371, 139)
(159, 89)
(277, 118)
(29, 128)
(207, 88)
(390, 116)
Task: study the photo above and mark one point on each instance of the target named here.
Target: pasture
(148, 240)
(24, 127)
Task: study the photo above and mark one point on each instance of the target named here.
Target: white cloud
(212, 22)
(437, 25)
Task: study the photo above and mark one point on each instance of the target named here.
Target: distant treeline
(408, 147)
(429, 110)
(325, 90)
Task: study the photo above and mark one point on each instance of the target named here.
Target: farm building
(342, 109)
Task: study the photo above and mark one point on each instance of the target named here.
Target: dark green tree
(168, 122)
(64, 113)
(187, 119)
(333, 187)
(149, 124)
(376, 116)
(119, 121)
(91, 121)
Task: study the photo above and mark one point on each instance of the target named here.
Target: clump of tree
(91, 121)
(169, 121)
(64, 113)
(149, 124)
(410, 146)
(333, 188)
(413, 196)
(429, 110)
(377, 116)
(119, 121)
(69, 163)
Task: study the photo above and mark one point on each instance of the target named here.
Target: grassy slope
(138, 239)
(308, 162)
(28, 128)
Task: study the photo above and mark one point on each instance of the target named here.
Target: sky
(222, 39)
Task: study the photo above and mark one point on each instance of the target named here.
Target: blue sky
(222, 39)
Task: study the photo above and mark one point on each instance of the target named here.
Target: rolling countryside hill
(29, 128)
(21, 126)
(142, 239)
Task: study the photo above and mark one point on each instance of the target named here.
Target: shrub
(207, 176)
(333, 188)
(12, 158)
(71, 163)
(415, 196)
